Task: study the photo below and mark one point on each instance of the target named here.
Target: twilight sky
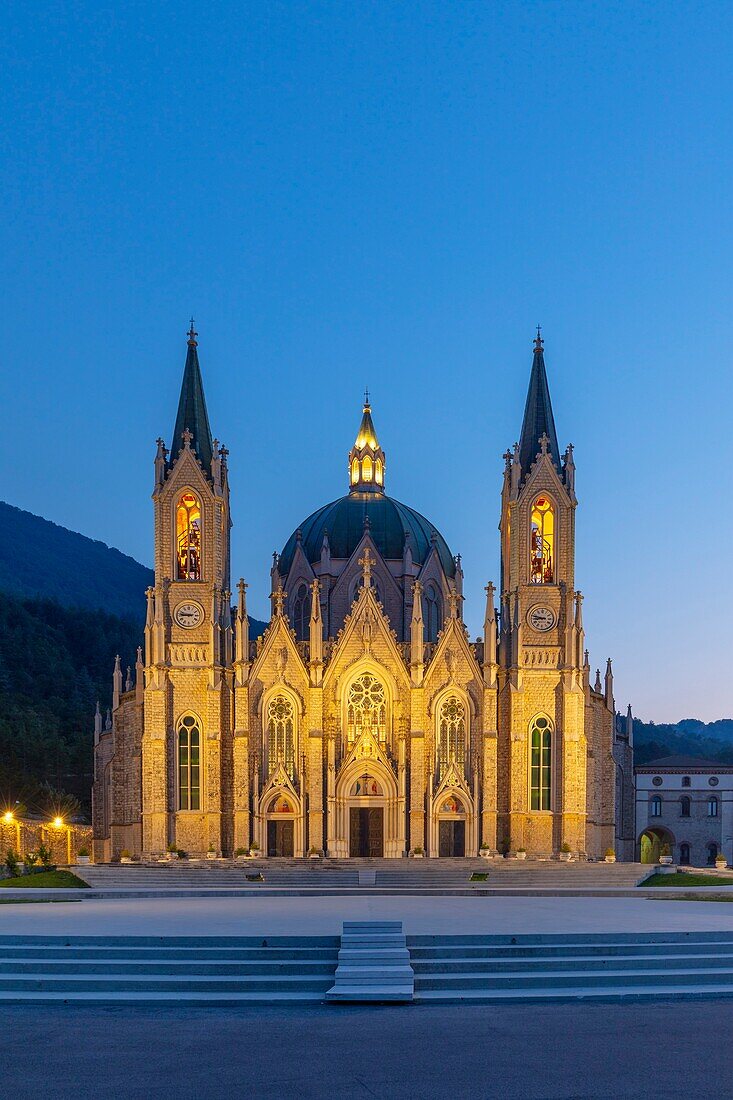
(390, 194)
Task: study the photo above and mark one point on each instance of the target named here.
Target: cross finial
(366, 562)
(538, 341)
(544, 443)
(192, 334)
(187, 437)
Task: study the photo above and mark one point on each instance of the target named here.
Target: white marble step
(373, 964)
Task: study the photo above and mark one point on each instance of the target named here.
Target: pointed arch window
(542, 542)
(451, 734)
(379, 472)
(541, 763)
(189, 763)
(366, 710)
(432, 612)
(302, 612)
(685, 806)
(281, 734)
(655, 806)
(188, 538)
(367, 468)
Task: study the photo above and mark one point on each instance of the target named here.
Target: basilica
(364, 721)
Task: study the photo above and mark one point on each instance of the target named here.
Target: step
(556, 979)
(373, 964)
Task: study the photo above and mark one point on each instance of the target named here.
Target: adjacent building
(684, 808)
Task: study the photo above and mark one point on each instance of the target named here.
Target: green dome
(389, 523)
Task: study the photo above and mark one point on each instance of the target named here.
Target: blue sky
(393, 195)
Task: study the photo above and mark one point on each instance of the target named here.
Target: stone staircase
(633, 966)
(373, 964)
(356, 876)
(221, 970)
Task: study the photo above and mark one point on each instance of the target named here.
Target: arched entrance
(281, 827)
(366, 816)
(451, 826)
(655, 842)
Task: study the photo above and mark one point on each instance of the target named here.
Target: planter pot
(82, 861)
(254, 853)
(171, 856)
(418, 855)
(211, 855)
(485, 853)
(721, 864)
(665, 861)
(125, 859)
(565, 857)
(241, 859)
(314, 855)
(610, 859)
(521, 855)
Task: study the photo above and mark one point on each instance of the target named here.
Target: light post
(10, 819)
(59, 824)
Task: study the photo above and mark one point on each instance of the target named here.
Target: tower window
(189, 768)
(684, 806)
(188, 538)
(366, 468)
(451, 734)
(686, 781)
(432, 612)
(378, 471)
(542, 542)
(355, 472)
(541, 764)
(281, 734)
(301, 612)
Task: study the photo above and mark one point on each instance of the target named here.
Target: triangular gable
(368, 627)
(353, 568)
(453, 639)
(278, 635)
(453, 782)
(280, 783)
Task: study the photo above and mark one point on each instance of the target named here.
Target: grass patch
(687, 878)
(694, 897)
(45, 880)
(479, 876)
(38, 901)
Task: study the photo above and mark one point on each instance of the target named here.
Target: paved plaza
(308, 916)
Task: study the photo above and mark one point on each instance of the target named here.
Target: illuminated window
(684, 806)
(367, 786)
(355, 472)
(712, 807)
(188, 538)
(366, 468)
(540, 763)
(432, 612)
(281, 734)
(378, 472)
(655, 806)
(542, 542)
(189, 769)
(367, 708)
(451, 734)
(301, 612)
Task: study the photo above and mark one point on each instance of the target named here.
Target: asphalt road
(659, 1050)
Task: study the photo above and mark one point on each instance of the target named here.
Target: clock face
(188, 614)
(541, 618)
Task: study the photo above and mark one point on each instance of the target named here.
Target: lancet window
(451, 734)
(366, 708)
(281, 734)
(542, 542)
(432, 612)
(188, 538)
(189, 763)
(301, 612)
(541, 763)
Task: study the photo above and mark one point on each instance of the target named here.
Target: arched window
(655, 806)
(355, 472)
(712, 807)
(451, 734)
(686, 781)
(302, 612)
(281, 734)
(685, 853)
(712, 853)
(366, 468)
(188, 538)
(189, 766)
(378, 472)
(366, 710)
(542, 542)
(432, 612)
(541, 763)
(684, 806)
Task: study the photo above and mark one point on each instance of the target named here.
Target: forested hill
(40, 559)
(690, 737)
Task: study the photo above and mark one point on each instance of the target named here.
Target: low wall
(23, 836)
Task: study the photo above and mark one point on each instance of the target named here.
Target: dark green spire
(538, 419)
(192, 415)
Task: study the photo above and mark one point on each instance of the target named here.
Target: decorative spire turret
(192, 417)
(538, 419)
(367, 460)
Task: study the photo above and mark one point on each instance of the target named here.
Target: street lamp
(10, 819)
(59, 824)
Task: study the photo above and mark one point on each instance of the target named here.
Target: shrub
(521, 849)
(417, 851)
(240, 851)
(565, 847)
(171, 848)
(11, 862)
(311, 851)
(211, 848)
(83, 851)
(254, 846)
(610, 852)
(30, 859)
(125, 854)
(181, 853)
(666, 850)
(45, 856)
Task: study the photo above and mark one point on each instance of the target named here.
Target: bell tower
(541, 653)
(188, 634)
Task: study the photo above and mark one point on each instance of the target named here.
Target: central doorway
(281, 838)
(366, 831)
(452, 838)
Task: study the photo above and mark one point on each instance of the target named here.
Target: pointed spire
(417, 635)
(97, 723)
(366, 458)
(315, 634)
(629, 725)
(192, 416)
(538, 419)
(116, 683)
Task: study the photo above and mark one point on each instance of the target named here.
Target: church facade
(364, 721)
